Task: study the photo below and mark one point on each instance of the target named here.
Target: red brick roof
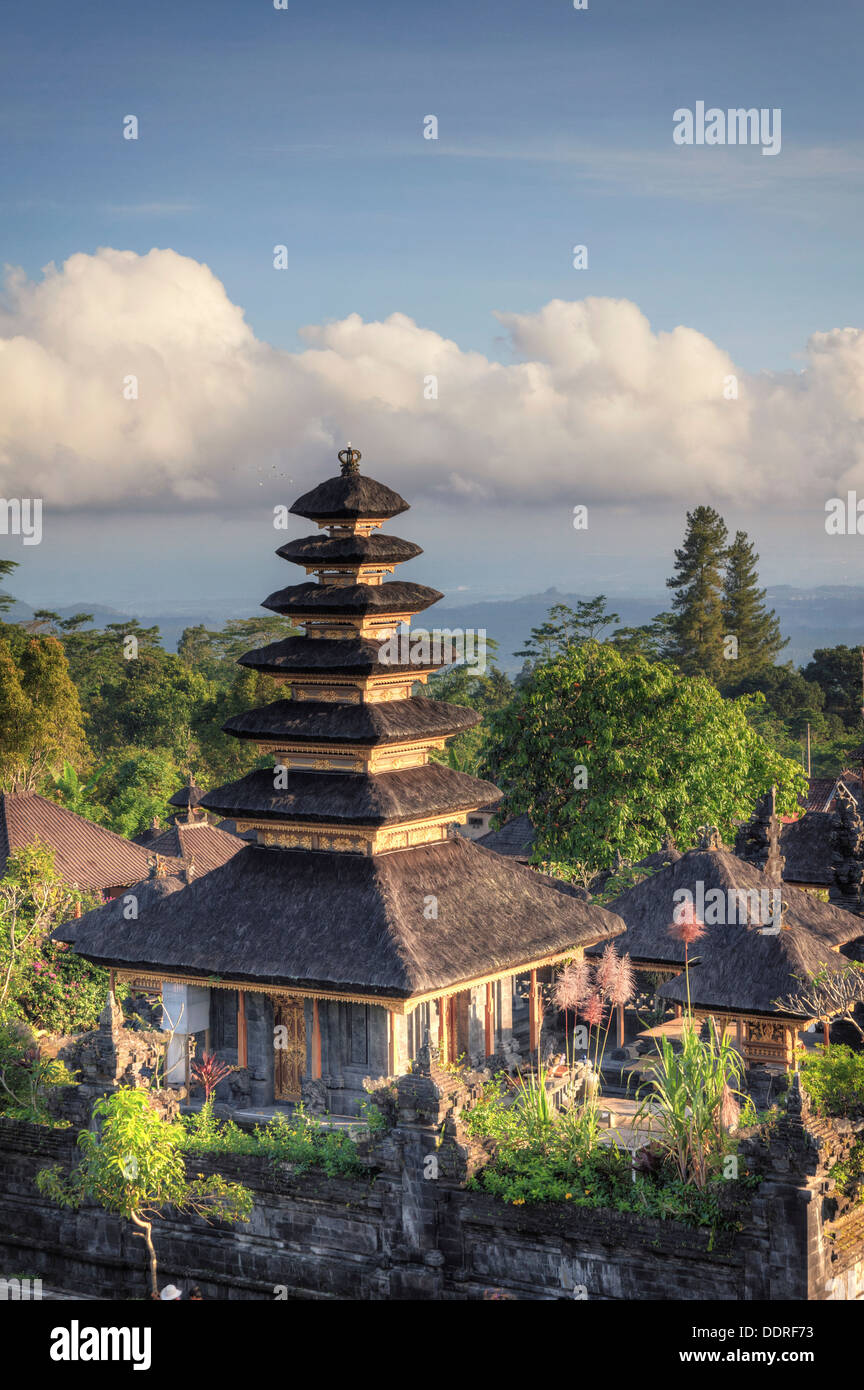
(820, 793)
(85, 854)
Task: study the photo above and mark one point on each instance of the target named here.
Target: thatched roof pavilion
(188, 797)
(758, 933)
(715, 878)
(357, 922)
(200, 845)
(741, 973)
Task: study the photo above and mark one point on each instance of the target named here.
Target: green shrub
(556, 1157)
(25, 1077)
(834, 1080)
(299, 1139)
(849, 1175)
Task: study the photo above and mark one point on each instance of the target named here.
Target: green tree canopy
(40, 715)
(661, 755)
(41, 982)
(6, 567)
(133, 786)
(697, 626)
(566, 627)
(837, 672)
(745, 616)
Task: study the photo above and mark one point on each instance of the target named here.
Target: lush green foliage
(661, 756)
(299, 1139)
(554, 1157)
(40, 714)
(834, 1080)
(42, 982)
(837, 672)
(689, 1096)
(134, 1166)
(745, 617)
(25, 1077)
(849, 1175)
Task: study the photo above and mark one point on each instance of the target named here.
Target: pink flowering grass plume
(729, 1111)
(572, 986)
(607, 967)
(592, 1010)
(686, 925)
(622, 986)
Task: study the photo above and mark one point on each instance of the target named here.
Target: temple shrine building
(357, 923)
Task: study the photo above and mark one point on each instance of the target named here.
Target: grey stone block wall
(409, 1228)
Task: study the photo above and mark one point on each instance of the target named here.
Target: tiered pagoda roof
(354, 820)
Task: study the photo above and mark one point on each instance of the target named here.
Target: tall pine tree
(745, 616)
(697, 628)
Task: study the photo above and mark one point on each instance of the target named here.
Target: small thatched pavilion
(738, 905)
(357, 922)
(740, 976)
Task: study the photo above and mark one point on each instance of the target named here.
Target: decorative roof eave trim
(145, 979)
(797, 1021)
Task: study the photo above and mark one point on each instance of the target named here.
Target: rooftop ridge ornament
(349, 459)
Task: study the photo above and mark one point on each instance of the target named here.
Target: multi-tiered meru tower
(352, 743)
(360, 921)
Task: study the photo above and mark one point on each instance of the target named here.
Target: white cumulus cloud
(590, 399)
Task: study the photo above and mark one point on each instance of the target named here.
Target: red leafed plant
(209, 1072)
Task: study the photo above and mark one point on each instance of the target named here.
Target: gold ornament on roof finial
(349, 459)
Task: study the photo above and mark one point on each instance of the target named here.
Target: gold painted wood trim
(149, 979)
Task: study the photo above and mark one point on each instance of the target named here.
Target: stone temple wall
(409, 1229)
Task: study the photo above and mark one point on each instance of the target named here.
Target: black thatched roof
(398, 596)
(383, 798)
(314, 721)
(515, 839)
(333, 656)
(669, 854)
(347, 497)
(747, 972)
(146, 837)
(350, 923)
(808, 850)
(377, 549)
(147, 893)
(188, 796)
(648, 907)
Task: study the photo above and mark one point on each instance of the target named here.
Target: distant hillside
(170, 624)
(823, 617)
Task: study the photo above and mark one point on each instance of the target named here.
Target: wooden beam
(534, 1014)
(620, 1012)
(242, 1041)
(443, 1041)
(316, 1040)
(112, 980)
(490, 1020)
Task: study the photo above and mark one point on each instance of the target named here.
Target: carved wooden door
(289, 1043)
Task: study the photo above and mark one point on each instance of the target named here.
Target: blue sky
(304, 127)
